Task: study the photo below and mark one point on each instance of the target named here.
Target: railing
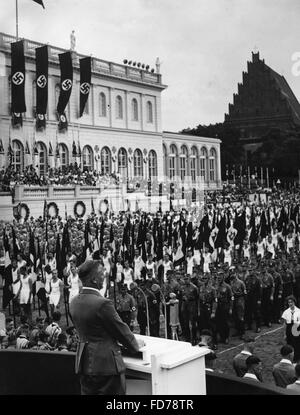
(99, 66)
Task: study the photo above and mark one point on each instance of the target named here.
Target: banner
(17, 82)
(41, 64)
(85, 81)
(66, 83)
(40, 2)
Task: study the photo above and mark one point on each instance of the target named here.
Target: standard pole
(17, 20)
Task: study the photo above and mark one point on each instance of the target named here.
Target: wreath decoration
(55, 207)
(83, 209)
(18, 211)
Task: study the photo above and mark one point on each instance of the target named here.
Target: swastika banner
(17, 78)
(41, 63)
(85, 82)
(66, 81)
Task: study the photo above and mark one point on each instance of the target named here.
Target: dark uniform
(297, 283)
(267, 284)
(224, 307)
(276, 308)
(287, 284)
(141, 310)
(154, 311)
(207, 308)
(253, 300)
(189, 311)
(125, 305)
(239, 292)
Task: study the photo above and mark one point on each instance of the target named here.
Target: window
(102, 105)
(17, 156)
(165, 161)
(149, 112)
(87, 158)
(122, 162)
(42, 160)
(119, 107)
(183, 162)
(203, 163)
(212, 165)
(193, 165)
(134, 109)
(173, 156)
(137, 163)
(105, 160)
(152, 164)
(64, 155)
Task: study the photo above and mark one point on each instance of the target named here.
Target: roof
(287, 93)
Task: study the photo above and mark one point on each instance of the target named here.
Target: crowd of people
(71, 174)
(231, 268)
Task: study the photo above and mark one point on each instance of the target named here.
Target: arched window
(102, 104)
(105, 160)
(165, 153)
(203, 163)
(149, 112)
(119, 107)
(17, 156)
(183, 162)
(64, 155)
(43, 165)
(134, 110)
(212, 165)
(122, 162)
(137, 163)
(173, 161)
(152, 164)
(194, 163)
(87, 158)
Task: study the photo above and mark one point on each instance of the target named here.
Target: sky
(204, 45)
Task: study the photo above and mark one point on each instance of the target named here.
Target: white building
(120, 131)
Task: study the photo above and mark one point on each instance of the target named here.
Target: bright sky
(204, 45)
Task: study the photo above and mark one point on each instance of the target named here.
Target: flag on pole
(39, 2)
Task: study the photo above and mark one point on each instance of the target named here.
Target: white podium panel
(167, 367)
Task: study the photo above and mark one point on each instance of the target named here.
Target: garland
(17, 212)
(76, 213)
(54, 205)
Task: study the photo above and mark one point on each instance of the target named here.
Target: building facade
(264, 101)
(119, 132)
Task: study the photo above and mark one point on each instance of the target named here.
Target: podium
(166, 367)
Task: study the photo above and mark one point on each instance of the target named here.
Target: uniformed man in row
(224, 308)
(125, 306)
(253, 300)
(188, 298)
(207, 306)
(239, 293)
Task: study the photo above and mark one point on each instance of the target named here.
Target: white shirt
(287, 315)
(91, 288)
(286, 361)
(246, 352)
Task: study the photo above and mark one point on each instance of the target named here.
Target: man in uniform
(141, 307)
(288, 281)
(276, 307)
(207, 306)
(224, 308)
(253, 300)
(239, 292)
(188, 310)
(267, 298)
(125, 305)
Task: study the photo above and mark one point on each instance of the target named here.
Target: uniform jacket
(100, 329)
(284, 374)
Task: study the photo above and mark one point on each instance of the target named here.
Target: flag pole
(17, 20)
